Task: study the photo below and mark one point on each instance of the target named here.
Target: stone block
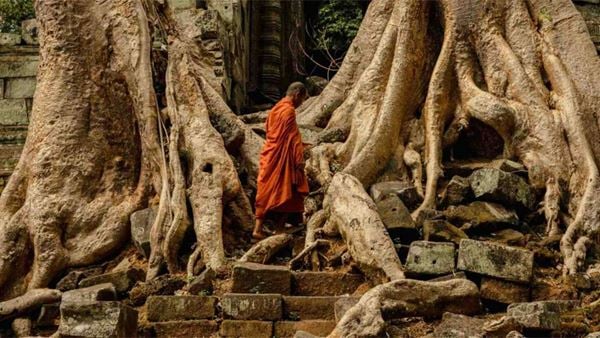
(542, 315)
(9, 39)
(499, 186)
(458, 326)
(495, 260)
(252, 306)
(18, 66)
(457, 191)
(122, 280)
(13, 112)
(407, 192)
(394, 213)
(325, 283)
(503, 291)
(99, 292)
(97, 319)
(485, 215)
(71, 280)
(20, 87)
(49, 315)
(312, 307)
(287, 329)
(168, 308)
(29, 31)
(164, 285)
(246, 328)
(202, 282)
(430, 258)
(442, 230)
(260, 278)
(343, 304)
(141, 223)
(188, 329)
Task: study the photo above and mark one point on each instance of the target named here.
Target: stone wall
(18, 67)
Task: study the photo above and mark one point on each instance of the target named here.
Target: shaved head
(297, 92)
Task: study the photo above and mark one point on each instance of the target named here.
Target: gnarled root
(262, 251)
(310, 249)
(29, 301)
(406, 298)
(355, 216)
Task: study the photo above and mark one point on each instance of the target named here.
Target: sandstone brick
(122, 280)
(495, 260)
(325, 283)
(344, 304)
(168, 308)
(499, 186)
(99, 292)
(259, 278)
(188, 329)
(20, 87)
(141, 223)
(503, 291)
(482, 215)
(320, 328)
(442, 230)
(18, 66)
(457, 191)
(314, 307)
(252, 306)
(394, 213)
(543, 315)
(13, 112)
(406, 192)
(246, 328)
(430, 258)
(97, 319)
(455, 326)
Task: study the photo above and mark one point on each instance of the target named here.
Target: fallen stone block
(405, 191)
(29, 31)
(430, 258)
(72, 279)
(457, 191)
(164, 285)
(258, 278)
(325, 283)
(188, 329)
(455, 326)
(97, 319)
(252, 306)
(287, 329)
(99, 292)
(442, 230)
(202, 282)
(122, 280)
(481, 215)
(542, 315)
(168, 308)
(343, 304)
(495, 260)
(246, 328)
(394, 213)
(503, 291)
(18, 66)
(141, 223)
(309, 307)
(499, 186)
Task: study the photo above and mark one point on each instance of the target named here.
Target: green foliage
(12, 12)
(338, 24)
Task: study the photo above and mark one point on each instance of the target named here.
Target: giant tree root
(355, 216)
(262, 251)
(29, 301)
(406, 298)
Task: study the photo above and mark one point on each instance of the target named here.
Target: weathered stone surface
(29, 31)
(344, 304)
(20, 87)
(442, 230)
(503, 291)
(164, 285)
(246, 328)
(458, 326)
(122, 280)
(49, 315)
(99, 292)
(167, 308)
(202, 282)
(97, 319)
(313, 307)
(457, 191)
(430, 258)
(71, 280)
(182, 4)
(394, 213)
(325, 283)
(501, 327)
(259, 278)
(141, 223)
(13, 112)
(495, 260)
(481, 215)
(454, 275)
(287, 329)
(9, 39)
(407, 192)
(499, 186)
(187, 329)
(252, 306)
(543, 315)
(18, 66)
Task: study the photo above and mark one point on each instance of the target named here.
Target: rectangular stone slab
(187, 328)
(313, 307)
(167, 308)
(97, 319)
(260, 278)
(246, 328)
(430, 258)
(495, 260)
(252, 306)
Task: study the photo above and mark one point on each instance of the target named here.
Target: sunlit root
(262, 251)
(29, 301)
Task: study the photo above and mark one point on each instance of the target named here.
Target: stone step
(178, 308)
(187, 328)
(97, 319)
(309, 307)
(287, 329)
(252, 306)
(259, 278)
(246, 328)
(308, 283)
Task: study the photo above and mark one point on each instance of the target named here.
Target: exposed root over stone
(29, 301)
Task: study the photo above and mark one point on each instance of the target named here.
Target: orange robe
(282, 184)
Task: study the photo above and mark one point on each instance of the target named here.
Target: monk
(282, 184)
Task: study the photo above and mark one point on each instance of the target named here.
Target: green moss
(12, 12)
